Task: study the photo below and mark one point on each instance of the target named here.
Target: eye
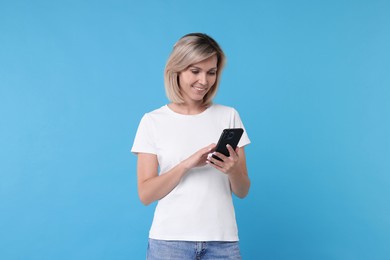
(212, 73)
(195, 71)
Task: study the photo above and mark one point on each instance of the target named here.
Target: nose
(202, 78)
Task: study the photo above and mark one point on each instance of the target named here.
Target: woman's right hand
(199, 158)
(152, 187)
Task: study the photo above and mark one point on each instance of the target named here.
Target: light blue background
(310, 79)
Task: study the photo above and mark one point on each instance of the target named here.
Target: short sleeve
(237, 123)
(144, 141)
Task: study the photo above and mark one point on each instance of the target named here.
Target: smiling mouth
(200, 89)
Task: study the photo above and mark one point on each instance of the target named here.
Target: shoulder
(159, 111)
(156, 113)
(149, 118)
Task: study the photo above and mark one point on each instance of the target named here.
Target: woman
(194, 217)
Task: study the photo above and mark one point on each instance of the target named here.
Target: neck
(187, 109)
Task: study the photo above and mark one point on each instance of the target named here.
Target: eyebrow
(192, 66)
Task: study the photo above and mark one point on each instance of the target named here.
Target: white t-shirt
(200, 207)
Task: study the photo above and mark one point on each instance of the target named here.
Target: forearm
(158, 187)
(152, 187)
(235, 167)
(240, 183)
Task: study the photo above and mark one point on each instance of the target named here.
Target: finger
(220, 156)
(212, 147)
(230, 149)
(209, 148)
(216, 166)
(216, 161)
(232, 153)
(206, 150)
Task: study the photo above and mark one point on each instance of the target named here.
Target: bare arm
(235, 167)
(152, 187)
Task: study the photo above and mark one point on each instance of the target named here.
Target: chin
(198, 98)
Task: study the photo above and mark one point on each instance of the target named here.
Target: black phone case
(229, 136)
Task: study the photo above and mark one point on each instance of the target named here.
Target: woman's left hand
(228, 163)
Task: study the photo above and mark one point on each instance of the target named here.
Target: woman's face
(197, 80)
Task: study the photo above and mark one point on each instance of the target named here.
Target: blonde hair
(190, 49)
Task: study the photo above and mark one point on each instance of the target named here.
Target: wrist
(185, 166)
(235, 171)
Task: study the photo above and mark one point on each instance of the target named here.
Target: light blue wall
(311, 80)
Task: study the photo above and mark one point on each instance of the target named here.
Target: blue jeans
(186, 250)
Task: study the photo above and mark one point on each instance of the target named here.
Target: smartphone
(229, 136)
